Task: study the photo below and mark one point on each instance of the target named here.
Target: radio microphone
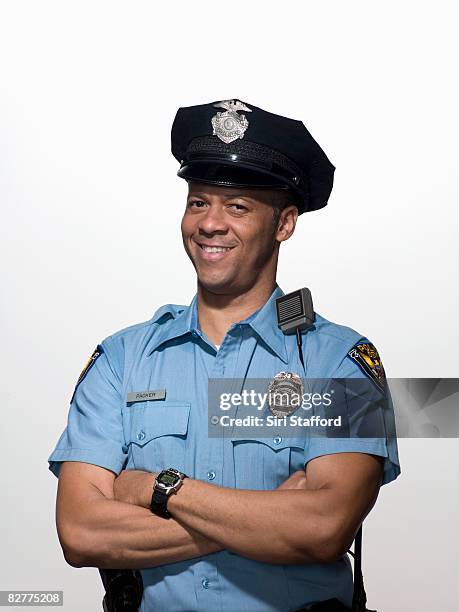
(295, 313)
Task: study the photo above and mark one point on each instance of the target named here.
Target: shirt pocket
(264, 463)
(158, 435)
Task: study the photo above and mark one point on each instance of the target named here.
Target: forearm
(110, 534)
(287, 526)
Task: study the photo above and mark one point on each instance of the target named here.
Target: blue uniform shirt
(171, 352)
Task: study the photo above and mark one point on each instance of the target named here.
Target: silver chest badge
(285, 394)
(229, 126)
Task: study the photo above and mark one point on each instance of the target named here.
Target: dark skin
(104, 520)
(241, 280)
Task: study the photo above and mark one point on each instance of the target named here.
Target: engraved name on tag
(145, 396)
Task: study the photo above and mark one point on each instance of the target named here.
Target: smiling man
(232, 238)
(231, 523)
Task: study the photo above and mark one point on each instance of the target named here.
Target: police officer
(236, 522)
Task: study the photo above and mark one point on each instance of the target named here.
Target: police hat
(232, 143)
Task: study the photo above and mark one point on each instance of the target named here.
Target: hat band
(208, 148)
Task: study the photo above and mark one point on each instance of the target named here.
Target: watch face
(168, 479)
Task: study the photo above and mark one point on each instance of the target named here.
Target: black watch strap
(159, 504)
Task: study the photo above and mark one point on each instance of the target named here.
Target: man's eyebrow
(196, 195)
(226, 197)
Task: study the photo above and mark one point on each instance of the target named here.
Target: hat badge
(230, 126)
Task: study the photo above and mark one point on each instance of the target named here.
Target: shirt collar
(264, 323)
(185, 321)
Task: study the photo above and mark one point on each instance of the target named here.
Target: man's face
(230, 235)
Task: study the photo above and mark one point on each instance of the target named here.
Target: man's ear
(287, 222)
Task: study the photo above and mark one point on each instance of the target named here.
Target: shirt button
(210, 475)
(205, 583)
(277, 440)
(141, 435)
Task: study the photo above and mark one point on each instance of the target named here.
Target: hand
(297, 480)
(134, 487)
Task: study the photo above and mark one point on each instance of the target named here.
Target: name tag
(145, 396)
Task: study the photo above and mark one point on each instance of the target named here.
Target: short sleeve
(381, 437)
(94, 432)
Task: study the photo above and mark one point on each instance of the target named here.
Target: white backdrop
(91, 207)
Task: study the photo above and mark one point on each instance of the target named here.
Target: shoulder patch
(91, 361)
(367, 358)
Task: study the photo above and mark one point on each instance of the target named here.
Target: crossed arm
(104, 521)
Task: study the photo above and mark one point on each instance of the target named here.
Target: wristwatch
(167, 482)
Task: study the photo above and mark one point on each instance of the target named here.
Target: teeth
(214, 249)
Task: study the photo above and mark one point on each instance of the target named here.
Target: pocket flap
(154, 420)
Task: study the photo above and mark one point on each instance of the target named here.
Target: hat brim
(227, 174)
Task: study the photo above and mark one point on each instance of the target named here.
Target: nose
(213, 220)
